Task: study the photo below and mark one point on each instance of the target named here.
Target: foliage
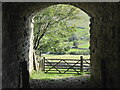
(51, 28)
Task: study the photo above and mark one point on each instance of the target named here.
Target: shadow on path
(71, 82)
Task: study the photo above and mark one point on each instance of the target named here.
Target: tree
(52, 24)
(51, 28)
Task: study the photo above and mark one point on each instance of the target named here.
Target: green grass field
(50, 56)
(85, 45)
(45, 76)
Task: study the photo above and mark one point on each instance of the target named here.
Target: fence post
(43, 63)
(81, 66)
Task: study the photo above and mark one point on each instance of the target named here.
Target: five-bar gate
(65, 66)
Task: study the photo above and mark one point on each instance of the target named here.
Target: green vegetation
(51, 27)
(45, 76)
(58, 28)
(61, 31)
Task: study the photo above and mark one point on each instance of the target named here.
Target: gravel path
(71, 82)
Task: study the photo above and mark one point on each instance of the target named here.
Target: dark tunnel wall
(105, 40)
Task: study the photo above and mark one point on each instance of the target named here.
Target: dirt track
(71, 82)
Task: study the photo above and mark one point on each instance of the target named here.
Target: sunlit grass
(46, 76)
(86, 45)
(50, 56)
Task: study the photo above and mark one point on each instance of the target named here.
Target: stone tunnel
(104, 41)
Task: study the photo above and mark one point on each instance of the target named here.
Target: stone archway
(104, 40)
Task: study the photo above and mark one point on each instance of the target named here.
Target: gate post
(42, 64)
(81, 64)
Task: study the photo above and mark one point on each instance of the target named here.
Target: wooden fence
(62, 66)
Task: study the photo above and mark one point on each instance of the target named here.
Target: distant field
(66, 56)
(85, 45)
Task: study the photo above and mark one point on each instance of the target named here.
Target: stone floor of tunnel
(71, 82)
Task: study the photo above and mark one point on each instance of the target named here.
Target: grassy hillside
(83, 22)
(79, 39)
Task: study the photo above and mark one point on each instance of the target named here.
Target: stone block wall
(105, 46)
(0, 45)
(15, 46)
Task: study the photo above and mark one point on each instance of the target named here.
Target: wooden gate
(66, 66)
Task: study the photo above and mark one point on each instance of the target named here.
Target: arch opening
(78, 44)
